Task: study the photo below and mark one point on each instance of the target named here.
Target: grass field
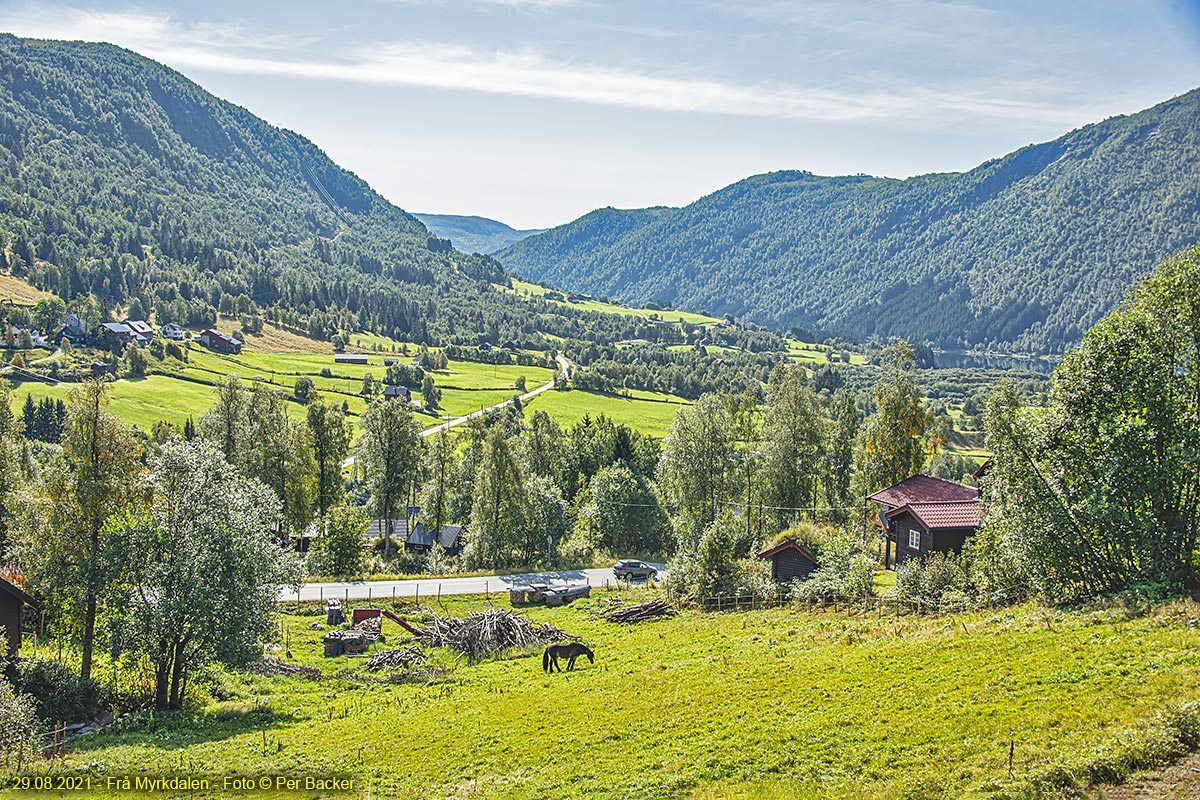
(20, 292)
(780, 703)
(648, 412)
(691, 318)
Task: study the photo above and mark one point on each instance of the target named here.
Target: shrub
(935, 581)
(20, 728)
(59, 695)
(846, 574)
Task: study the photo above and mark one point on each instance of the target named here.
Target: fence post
(368, 594)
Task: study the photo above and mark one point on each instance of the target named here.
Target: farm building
(789, 561)
(215, 340)
(172, 331)
(421, 538)
(74, 329)
(13, 600)
(361, 359)
(397, 393)
(113, 335)
(923, 515)
(141, 330)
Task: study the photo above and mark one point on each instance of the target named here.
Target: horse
(569, 651)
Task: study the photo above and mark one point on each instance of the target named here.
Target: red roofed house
(925, 515)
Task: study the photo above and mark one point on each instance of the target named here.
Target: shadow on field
(169, 730)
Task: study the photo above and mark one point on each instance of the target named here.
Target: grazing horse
(569, 651)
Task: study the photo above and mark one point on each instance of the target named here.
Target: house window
(914, 540)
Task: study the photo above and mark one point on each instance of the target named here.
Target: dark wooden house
(397, 393)
(922, 528)
(13, 600)
(789, 562)
(923, 514)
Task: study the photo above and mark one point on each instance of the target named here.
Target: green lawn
(782, 703)
(649, 417)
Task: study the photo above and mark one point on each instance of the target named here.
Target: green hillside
(123, 181)
(474, 234)
(1022, 253)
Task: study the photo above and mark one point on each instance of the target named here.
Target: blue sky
(536, 111)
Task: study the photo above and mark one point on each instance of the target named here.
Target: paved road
(429, 587)
(563, 365)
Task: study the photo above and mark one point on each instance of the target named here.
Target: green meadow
(780, 703)
(526, 289)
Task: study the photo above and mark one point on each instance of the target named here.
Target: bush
(712, 567)
(20, 728)
(339, 550)
(59, 695)
(938, 581)
(846, 574)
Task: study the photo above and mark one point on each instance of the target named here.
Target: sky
(534, 112)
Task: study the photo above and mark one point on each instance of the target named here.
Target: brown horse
(569, 651)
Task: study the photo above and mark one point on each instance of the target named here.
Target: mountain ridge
(474, 234)
(1023, 252)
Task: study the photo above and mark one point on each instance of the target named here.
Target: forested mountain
(1025, 252)
(474, 234)
(121, 179)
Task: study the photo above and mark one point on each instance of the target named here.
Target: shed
(351, 358)
(12, 600)
(397, 393)
(790, 561)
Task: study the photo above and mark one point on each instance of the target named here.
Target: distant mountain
(121, 180)
(474, 234)
(1024, 252)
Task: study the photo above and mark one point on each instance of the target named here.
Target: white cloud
(527, 73)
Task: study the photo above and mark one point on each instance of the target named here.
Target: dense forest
(1023, 253)
(121, 180)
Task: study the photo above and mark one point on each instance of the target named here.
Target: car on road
(629, 569)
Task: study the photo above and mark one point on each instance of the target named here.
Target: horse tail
(546, 660)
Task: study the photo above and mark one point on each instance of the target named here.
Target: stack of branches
(640, 613)
(396, 659)
(486, 633)
(603, 606)
(273, 666)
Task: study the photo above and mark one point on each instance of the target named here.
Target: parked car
(628, 568)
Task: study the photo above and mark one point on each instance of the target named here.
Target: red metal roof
(925, 489)
(943, 516)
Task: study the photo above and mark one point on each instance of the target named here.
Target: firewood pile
(273, 666)
(642, 612)
(396, 659)
(485, 633)
(371, 625)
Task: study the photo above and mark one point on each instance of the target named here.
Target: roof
(116, 327)
(16, 591)
(925, 489)
(139, 326)
(789, 544)
(391, 391)
(448, 537)
(943, 516)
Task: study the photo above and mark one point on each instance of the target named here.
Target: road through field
(434, 585)
(563, 365)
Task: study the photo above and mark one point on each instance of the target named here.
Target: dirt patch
(1180, 781)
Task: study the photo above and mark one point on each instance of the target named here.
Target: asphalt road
(431, 586)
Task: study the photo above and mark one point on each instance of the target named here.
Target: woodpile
(396, 659)
(486, 633)
(273, 666)
(640, 613)
(370, 625)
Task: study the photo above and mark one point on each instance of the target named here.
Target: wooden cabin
(13, 600)
(923, 514)
(789, 562)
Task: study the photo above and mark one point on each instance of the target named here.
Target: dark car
(628, 568)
